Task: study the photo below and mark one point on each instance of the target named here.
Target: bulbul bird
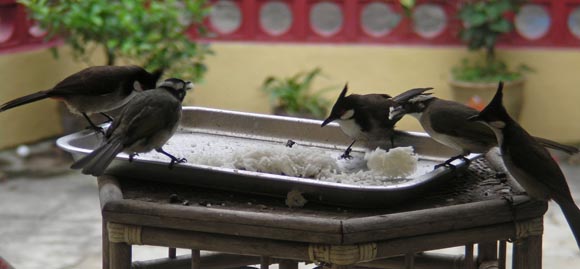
(446, 122)
(145, 123)
(365, 118)
(96, 89)
(528, 161)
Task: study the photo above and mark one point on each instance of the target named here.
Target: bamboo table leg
(486, 251)
(468, 260)
(195, 259)
(502, 254)
(287, 264)
(527, 253)
(105, 243)
(119, 256)
(487, 255)
(264, 262)
(410, 261)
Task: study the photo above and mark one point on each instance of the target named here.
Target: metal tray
(268, 129)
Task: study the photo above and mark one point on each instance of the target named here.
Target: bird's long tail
(557, 146)
(405, 96)
(97, 161)
(24, 100)
(572, 214)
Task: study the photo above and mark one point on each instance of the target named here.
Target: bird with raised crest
(446, 122)
(146, 123)
(528, 161)
(365, 118)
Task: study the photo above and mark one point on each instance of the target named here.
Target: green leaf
(476, 19)
(476, 71)
(407, 3)
(502, 26)
(294, 93)
(483, 22)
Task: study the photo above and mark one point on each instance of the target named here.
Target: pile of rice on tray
(375, 168)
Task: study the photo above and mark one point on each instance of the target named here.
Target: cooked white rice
(396, 163)
(384, 168)
(294, 198)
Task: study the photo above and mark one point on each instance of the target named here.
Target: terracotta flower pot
(478, 94)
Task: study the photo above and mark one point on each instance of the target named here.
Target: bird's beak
(475, 118)
(327, 121)
(396, 112)
(189, 85)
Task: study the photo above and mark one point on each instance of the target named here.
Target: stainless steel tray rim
(402, 183)
(219, 120)
(64, 143)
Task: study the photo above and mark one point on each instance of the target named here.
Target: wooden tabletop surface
(474, 199)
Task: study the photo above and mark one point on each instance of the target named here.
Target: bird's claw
(290, 143)
(175, 161)
(132, 156)
(100, 130)
(96, 129)
(450, 160)
(346, 155)
(445, 164)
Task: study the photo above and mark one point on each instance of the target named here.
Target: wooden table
(474, 208)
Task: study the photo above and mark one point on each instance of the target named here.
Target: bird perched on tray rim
(146, 123)
(447, 123)
(364, 117)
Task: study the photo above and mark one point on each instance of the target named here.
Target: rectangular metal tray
(268, 129)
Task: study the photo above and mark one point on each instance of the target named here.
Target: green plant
(292, 95)
(484, 21)
(407, 6)
(493, 71)
(149, 33)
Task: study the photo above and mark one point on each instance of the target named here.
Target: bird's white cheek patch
(347, 115)
(497, 124)
(137, 86)
(350, 128)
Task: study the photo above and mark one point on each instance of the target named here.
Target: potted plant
(474, 81)
(292, 96)
(152, 34)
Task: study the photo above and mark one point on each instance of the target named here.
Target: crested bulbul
(364, 117)
(446, 122)
(95, 89)
(145, 123)
(528, 161)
